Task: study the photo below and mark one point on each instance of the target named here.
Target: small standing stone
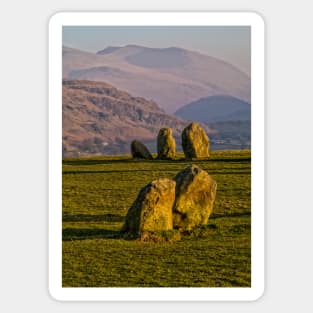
(166, 144)
(195, 142)
(139, 150)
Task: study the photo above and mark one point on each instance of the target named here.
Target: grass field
(97, 193)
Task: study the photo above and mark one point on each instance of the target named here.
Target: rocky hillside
(99, 118)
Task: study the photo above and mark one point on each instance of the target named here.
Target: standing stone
(195, 195)
(152, 210)
(195, 142)
(139, 150)
(166, 144)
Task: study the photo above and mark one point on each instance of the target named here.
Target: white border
(55, 156)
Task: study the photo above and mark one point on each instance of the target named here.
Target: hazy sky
(229, 43)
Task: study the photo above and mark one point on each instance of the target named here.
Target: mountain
(216, 109)
(172, 77)
(99, 118)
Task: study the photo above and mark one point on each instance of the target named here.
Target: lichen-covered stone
(166, 144)
(152, 210)
(195, 142)
(195, 195)
(139, 150)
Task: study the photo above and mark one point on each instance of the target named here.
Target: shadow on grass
(94, 162)
(242, 172)
(88, 162)
(230, 160)
(110, 171)
(93, 218)
(218, 216)
(70, 234)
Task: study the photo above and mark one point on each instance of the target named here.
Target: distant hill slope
(99, 118)
(171, 76)
(231, 135)
(216, 109)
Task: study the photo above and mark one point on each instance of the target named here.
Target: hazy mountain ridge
(218, 108)
(171, 76)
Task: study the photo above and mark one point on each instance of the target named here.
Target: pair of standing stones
(195, 143)
(181, 203)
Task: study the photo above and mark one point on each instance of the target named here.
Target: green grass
(97, 193)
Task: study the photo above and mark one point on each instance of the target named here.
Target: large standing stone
(195, 142)
(139, 150)
(166, 144)
(152, 210)
(195, 195)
